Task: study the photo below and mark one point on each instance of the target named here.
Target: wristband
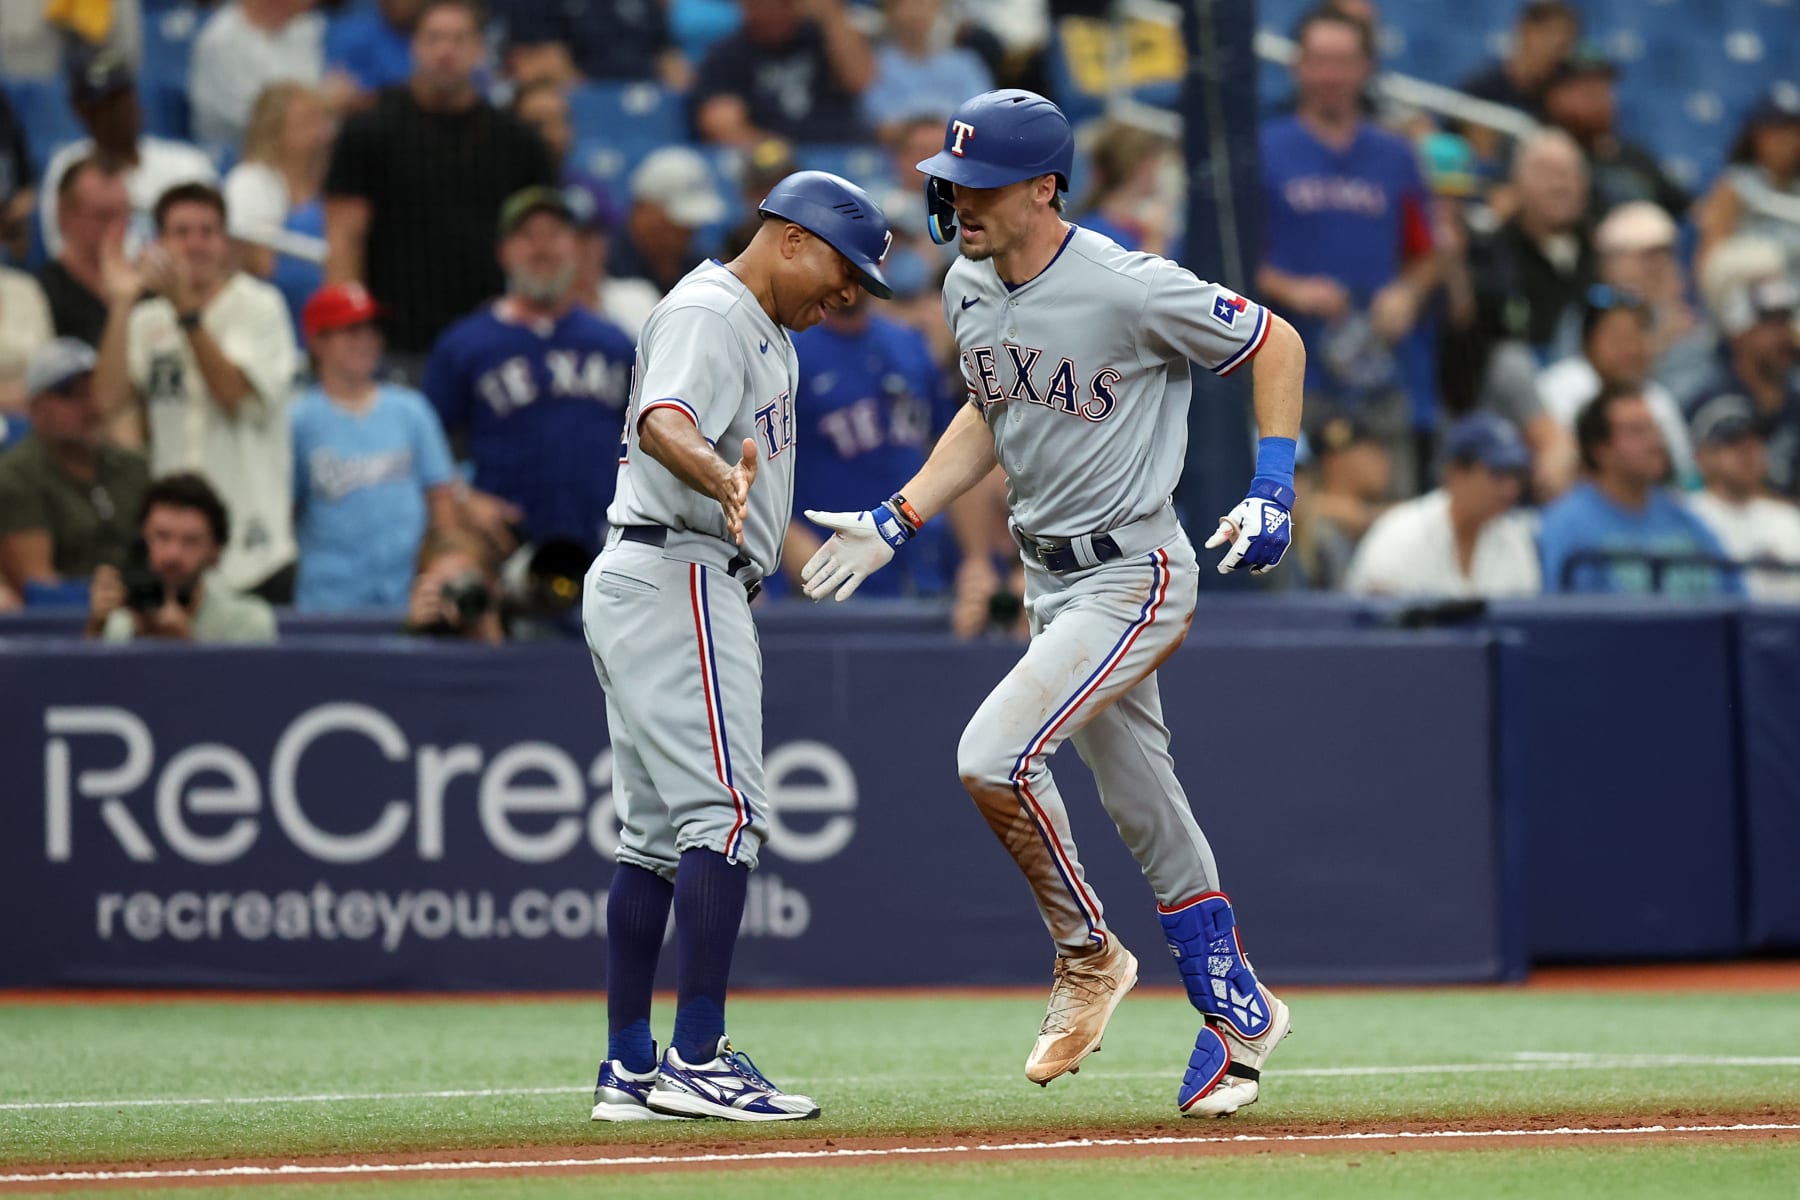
(892, 527)
(1275, 461)
(907, 512)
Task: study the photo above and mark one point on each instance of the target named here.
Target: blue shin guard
(1203, 937)
(1208, 1064)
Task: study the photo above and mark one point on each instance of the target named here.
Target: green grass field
(171, 1080)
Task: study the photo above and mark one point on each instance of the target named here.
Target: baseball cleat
(621, 1095)
(1082, 999)
(1225, 1070)
(729, 1087)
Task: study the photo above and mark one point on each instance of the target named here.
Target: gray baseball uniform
(1083, 374)
(665, 610)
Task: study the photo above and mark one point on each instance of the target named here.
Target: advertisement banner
(393, 815)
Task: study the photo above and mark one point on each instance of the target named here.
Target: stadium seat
(42, 107)
(627, 115)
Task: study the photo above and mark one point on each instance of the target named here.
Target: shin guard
(1203, 937)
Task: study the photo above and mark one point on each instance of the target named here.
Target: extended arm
(1260, 527)
(673, 440)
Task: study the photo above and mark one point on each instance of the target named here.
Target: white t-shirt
(24, 327)
(1565, 388)
(1411, 551)
(161, 165)
(247, 457)
(627, 303)
(1761, 528)
(256, 201)
(234, 61)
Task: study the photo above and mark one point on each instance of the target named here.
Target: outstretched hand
(733, 492)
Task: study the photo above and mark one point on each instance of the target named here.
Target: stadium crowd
(347, 321)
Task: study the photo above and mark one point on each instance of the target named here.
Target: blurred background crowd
(332, 303)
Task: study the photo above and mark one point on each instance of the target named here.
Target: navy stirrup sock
(637, 913)
(710, 892)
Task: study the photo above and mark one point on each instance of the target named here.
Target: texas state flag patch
(1227, 307)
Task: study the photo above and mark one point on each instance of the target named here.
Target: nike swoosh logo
(970, 302)
(765, 346)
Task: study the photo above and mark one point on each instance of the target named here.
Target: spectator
(1464, 538)
(1622, 509)
(871, 402)
(456, 594)
(35, 46)
(918, 73)
(1352, 472)
(25, 328)
(566, 41)
(672, 198)
(372, 470)
(172, 590)
(1347, 233)
(1636, 245)
(1758, 193)
(1531, 273)
(371, 45)
(209, 355)
(1617, 351)
(92, 209)
(104, 94)
(765, 164)
(797, 70)
(1579, 99)
(534, 388)
(247, 46)
(415, 183)
(18, 195)
(67, 495)
(273, 194)
(1130, 199)
(1752, 527)
(1543, 34)
(1757, 361)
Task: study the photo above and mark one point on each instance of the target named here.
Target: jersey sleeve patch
(1259, 333)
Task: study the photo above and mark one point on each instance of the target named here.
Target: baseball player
(666, 610)
(1077, 356)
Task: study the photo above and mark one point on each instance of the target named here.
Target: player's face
(817, 280)
(995, 221)
(196, 234)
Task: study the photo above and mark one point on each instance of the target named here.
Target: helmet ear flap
(940, 210)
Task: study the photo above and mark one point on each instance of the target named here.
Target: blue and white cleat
(729, 1087)
(621, 1095)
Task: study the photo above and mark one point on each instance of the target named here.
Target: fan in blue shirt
(534, 387)
(371, 466)
(373, 44)
(1620, 529)
(872, 401)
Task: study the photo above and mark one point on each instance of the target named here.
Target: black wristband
(188, 321)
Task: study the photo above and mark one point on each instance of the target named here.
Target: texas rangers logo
(960, 132)
(1227, 307)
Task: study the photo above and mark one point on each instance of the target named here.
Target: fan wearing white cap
(673, 198)
(1758, 360)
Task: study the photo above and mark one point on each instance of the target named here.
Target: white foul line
(1523, 1061)
(287, 1170)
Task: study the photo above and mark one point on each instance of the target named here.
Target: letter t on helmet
(995, 139)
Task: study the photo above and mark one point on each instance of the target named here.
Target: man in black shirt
(797, 70)
(18, 196)
(1532, 273)
(92, 208)
(1543, 35)
(1579, 98)
(417, 181)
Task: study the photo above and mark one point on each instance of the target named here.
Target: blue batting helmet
(836, 210)
(995, 139)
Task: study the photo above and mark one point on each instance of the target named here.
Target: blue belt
(657, 535)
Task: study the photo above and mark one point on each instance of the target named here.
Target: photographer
(166, 589)
(455, 594)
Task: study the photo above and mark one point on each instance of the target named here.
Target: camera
(144, 589)
(468, 594)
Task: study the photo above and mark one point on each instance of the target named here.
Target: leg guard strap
(1203, 937)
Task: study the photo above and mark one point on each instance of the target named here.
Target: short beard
(541, 289)
(973, 255)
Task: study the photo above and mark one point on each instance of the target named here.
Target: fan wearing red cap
(372, 468)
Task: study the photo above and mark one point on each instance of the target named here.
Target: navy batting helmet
(995, 139)
(836, 210)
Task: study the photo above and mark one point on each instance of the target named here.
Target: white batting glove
(1259, 529)
(862, 545)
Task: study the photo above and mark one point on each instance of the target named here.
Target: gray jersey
(711, 353)
(1083, 375)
